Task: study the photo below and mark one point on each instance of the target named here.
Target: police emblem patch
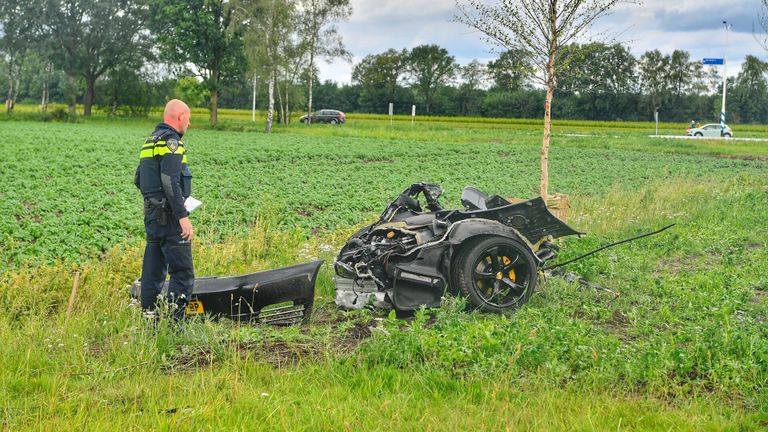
(173, 145)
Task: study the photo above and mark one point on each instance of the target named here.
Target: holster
(161, 209)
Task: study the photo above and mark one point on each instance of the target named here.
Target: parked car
(710, 130)
(326, 116)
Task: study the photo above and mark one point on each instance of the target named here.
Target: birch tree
(319, 32)
(538, 29)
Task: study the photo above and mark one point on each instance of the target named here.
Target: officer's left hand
(186, 229)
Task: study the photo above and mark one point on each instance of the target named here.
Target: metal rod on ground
(607, 246)
(71, 302)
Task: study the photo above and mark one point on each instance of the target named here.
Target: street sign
(712, 61)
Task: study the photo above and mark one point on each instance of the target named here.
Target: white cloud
(690, 25)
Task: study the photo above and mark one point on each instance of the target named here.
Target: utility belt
(163, 210)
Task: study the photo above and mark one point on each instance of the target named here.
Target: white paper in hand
(191, 204)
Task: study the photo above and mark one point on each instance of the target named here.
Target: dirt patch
(619, 325)
(677, 265)
(759, 297)
(282, 354)
(189, 360)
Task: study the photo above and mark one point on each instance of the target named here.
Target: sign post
(656, 118)
(390, 114)
(719, 62)
(413, 114)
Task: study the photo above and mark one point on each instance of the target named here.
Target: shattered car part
(491, 251)
(281, 296)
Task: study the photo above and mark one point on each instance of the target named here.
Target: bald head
(177, 115)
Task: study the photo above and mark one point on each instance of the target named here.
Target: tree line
(125, 56)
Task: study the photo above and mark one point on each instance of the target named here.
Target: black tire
(334, 121)
(698, 134)
(727, 135)
(497, 274)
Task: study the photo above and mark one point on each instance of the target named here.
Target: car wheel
(334, 121)
(496, 274)
(698, 134)
(727, 135)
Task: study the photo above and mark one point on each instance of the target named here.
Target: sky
(692, 25)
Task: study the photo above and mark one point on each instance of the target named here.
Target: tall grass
(682, 347)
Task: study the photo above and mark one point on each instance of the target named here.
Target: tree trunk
(90, 83)
(287, 112)
(548, 112)
(253, 108)
(311, 80)
(281, 110)
(46, 79)
(9, 99)
(73, 95)
(271, 108)
(214, 106)
(214, 86)
(18, 84)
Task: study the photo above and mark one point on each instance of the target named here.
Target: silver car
(710, 131)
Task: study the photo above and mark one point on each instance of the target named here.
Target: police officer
(165, 182)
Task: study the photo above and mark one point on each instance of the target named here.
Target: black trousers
(166, 252)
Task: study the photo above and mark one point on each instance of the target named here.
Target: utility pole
(725, 79)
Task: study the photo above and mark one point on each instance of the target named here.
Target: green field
(678, 342)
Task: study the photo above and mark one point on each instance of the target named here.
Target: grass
(684, 345)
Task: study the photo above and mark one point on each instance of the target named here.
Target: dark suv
(325, 116)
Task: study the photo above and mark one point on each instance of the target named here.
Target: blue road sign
(712, 61)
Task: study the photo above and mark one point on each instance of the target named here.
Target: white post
(253, 109)
(725, 80)
(390, 114)
(656, 117)
(413, 114)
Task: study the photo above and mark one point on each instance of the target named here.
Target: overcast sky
(692, 25)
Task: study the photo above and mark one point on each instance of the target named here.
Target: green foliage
(191, 91)
(79, 200)
(677, 341)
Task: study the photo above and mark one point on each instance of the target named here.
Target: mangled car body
(490, 251)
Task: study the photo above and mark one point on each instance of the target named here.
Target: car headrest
(473, 199)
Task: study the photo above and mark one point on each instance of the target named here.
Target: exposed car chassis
(490, 251)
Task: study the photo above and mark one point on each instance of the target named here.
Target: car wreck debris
(490, 251)
(281, 296)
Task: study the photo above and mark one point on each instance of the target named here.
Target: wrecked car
(490, 251)
(281, 296)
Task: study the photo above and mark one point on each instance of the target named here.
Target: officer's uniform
(165, 182)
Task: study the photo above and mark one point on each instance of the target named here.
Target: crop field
(677, 340)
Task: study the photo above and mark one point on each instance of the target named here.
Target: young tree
(430, 67)
(761, 34)
(264, 23)
(199, 32)
(92, 37)
(320, 35)
(539, 29)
